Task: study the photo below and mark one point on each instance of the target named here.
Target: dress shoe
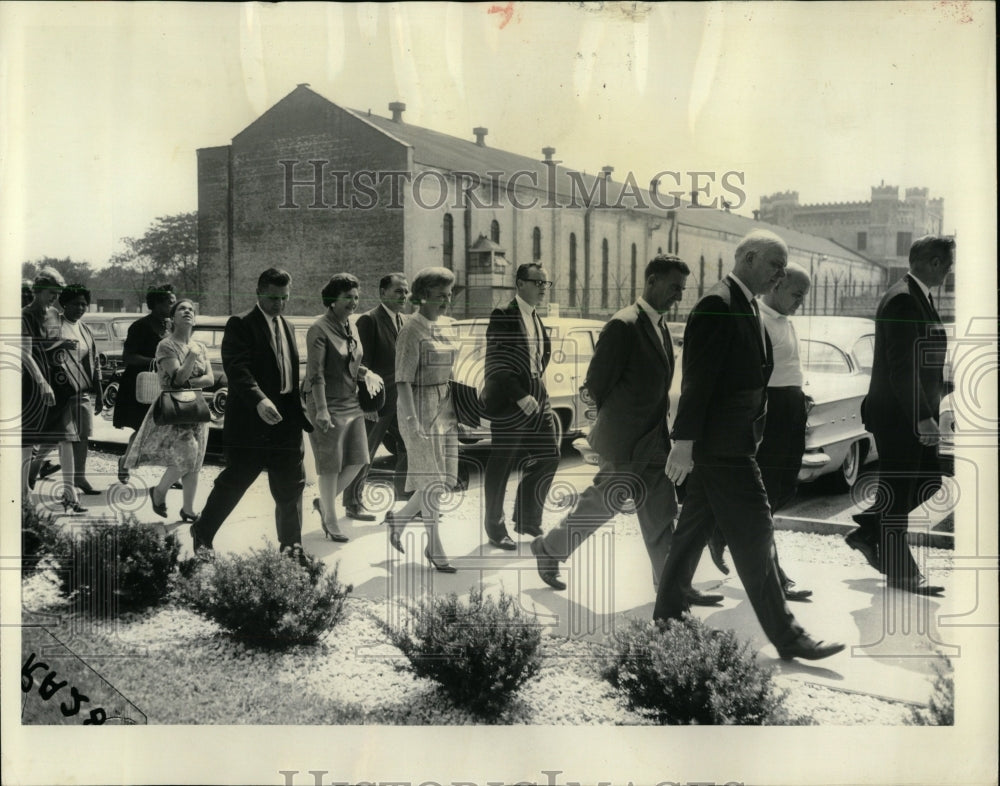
(333, 534)
(868, 549)
(504, 543)
(48, 468)
(358, 513)
(86, 488)
(441, 567)
(917, 585)
(806, 648)
(177, 485)
(160, 509)
(717, 550)
(696, 598)
(531, 530)
(548, 567)
(395, 531)
(791, 593)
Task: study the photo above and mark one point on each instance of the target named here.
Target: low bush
(121, 566)
(265, 599)
(479, 652)
(39, 534)
(940, 710)
(684, 672)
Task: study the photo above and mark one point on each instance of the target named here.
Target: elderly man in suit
(522, 428)
(264, 418)
(378, 329)
(719, 423)
(901, 411)
(629, 379)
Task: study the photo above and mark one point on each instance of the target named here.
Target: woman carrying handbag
(183, 366)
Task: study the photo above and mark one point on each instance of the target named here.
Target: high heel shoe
(441, 567)
(86, 488)
(335, 536)
(192, 517)
(159, 509)
(395, 532)
(70, 504)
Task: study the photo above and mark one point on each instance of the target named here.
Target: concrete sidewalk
(891, 636)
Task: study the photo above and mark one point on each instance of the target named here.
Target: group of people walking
(731, 459)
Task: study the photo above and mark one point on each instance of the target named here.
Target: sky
(108, 103)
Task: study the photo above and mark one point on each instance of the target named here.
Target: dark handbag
(370, 404)
(181, 408)
(466, 403)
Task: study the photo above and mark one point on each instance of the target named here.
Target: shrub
(124, 566)
(39, 534)
(265, 599)
(940, 710)
(479, 652)
(685, 672)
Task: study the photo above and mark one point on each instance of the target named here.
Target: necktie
(279, 351)
(665, 335)
(399, 324)
(538, 340)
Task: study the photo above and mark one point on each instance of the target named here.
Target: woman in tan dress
(330, 391)
(425, 354)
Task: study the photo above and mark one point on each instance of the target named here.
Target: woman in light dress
(330, 392)
(425, 355)
(181, 362)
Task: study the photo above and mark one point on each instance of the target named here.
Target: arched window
(495, 231)
(572, 269)
(448, 241)
(604, 273)
(635, 271)
(536, 244)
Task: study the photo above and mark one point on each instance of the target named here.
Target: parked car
(573, 342)
(836, 355)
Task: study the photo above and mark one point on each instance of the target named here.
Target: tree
(166, 253)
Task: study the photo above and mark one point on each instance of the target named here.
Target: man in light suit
(629, 380)
(264, 419)
(522, 428)
(719, 424)
(901, 411)
(378, 329)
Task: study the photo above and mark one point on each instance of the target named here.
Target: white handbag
(147, 385)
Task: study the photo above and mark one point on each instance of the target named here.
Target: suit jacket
(508, 362)
(378, 339)
(726, 368)
(629, 378)
(907, 381)
(251, 367)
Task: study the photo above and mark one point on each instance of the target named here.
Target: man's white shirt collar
(651, 312)
(524, 307)
(923, 287)
(744, 287)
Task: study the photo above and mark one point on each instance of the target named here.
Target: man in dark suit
(522, 428)
(264, 418)
(901, 411)
(378, 329)
(719, 424)
(629, 380)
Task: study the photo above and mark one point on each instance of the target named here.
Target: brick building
(880, 229)
(318, 188)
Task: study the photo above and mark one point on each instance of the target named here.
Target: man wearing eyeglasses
(522, 428)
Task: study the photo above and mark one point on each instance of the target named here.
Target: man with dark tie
(522, 429)
(901, 411)
(719, 423)
(264, 419)
(378, 329)
(629, 380)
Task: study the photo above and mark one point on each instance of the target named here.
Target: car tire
(110, 395)
(847, 473)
